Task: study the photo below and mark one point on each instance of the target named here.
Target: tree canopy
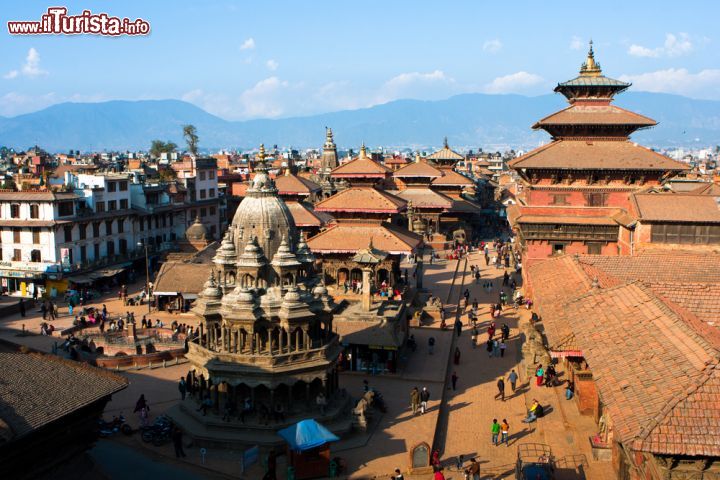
(191, 138)
(158, 147)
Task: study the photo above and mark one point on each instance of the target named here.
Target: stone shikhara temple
(266, 334)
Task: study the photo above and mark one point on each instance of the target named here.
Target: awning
(80, 279)
(307, 434)
(566, 353)
(157, 294)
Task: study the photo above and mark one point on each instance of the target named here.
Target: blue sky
(253, 59)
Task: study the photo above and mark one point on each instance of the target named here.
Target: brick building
(577, 188)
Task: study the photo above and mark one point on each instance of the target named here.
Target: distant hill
(472, 120)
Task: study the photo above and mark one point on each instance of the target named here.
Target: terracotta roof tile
(452, 178)
(361, 199)
(182, 277)
(351, 237)
(668, 207)
(595, 115)
(424, 198)
(421, 169)
(446, 153)
(304, 216)
(589, 155)
(362, 166)
(707, 189)
(294, 185)
(37, 389)
(632, 340)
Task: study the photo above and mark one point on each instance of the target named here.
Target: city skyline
(242, 61)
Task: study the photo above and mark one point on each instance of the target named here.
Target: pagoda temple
(577, 188)
(363, 211)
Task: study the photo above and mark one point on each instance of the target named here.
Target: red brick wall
(537, 249)
(576, 198)
(587, 399)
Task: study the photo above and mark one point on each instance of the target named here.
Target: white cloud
(674, 46)
(492, 46)
(640, 51)
(272, 65)
(264, 99)
(576, 43)
(435, 84)
(679, 81)
(31, 67)
(248, 44)
(513, 83)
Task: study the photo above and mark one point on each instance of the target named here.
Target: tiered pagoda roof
(446, 156)
(361, 167)
(352, 237)
(362, 199)
(291, 184)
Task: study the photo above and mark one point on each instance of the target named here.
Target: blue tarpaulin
(307, 434)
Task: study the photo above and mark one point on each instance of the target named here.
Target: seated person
(535, 411)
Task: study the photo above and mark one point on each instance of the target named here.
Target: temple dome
(196, 231)
(264, 216)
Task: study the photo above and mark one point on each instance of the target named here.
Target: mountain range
(493, 122)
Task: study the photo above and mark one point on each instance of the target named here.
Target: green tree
(159, 147)
(191, 138)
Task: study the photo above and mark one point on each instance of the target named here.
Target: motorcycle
(117, 424)
(159, 432)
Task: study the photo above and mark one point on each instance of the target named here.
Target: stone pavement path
(475, 403)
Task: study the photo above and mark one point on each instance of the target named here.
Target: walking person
(177, 442)
(182, 387)
(503, 346)
(539, 375)
(21, 307)
(431, 345)
(495, 431)
(456, 356)
(496, 349)
(504, 429)
(454, 379)
(513, 378)
(414, 400)
(501, 389)
(424, 398)
(473, 470)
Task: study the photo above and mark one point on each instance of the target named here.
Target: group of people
(419, 400)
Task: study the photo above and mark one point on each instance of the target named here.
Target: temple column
(366, 294)
(281, 340)
(307, 340)
(202, 342)
(222, 338)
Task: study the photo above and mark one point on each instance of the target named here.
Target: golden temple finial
(417, 156)
(590, 68)
(328, 135)
(261, 153)
(445, 144)
(363, 151)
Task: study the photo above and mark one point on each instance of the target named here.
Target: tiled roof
(38, 389)
(445, 153)
(588, 81)
(351, 237)
(304, 216)
(182, 277)
(37, 196)
(707, 189)
(424, 198)
(360, 332)
(690, 423)
(595, 115)
(362, 166)
(396, 161)
(660, 266)
(580, 154)
(638, 348)
(702, 299)
(420, 169)
(361, 199)
(452, 178)
(294, 185)
(555, 282)
(668, 207)
(460, 205)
